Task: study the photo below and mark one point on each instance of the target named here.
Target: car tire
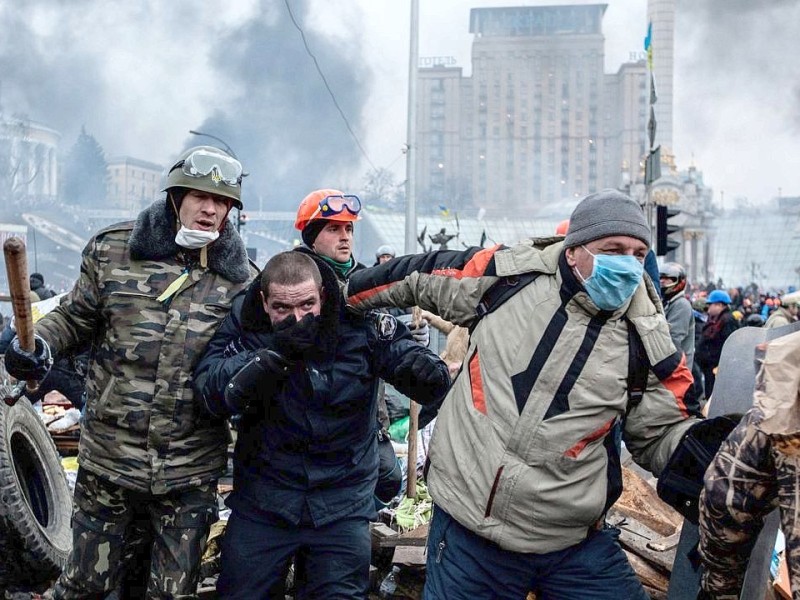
(35, 500)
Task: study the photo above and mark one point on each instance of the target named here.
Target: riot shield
(733, 394)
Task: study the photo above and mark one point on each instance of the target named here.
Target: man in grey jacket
(523, 461)
(678, 309)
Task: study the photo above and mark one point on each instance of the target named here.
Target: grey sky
(140, 74)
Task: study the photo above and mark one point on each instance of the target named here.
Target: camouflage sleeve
(77, 318)
(740, 490)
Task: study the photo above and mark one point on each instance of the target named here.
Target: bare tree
(380, 188)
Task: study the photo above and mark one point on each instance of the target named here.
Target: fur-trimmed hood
(153, 238)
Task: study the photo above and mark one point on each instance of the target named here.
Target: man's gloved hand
(294, 338)
(417, 370)
(681, 480)
(27, 366)
(249, 378)
(421, 333)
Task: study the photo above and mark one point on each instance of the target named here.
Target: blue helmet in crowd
(720, 296)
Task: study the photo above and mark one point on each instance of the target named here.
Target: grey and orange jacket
(141, 426)
(522, 453)
(756, 470)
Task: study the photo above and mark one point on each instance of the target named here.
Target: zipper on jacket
(493, 492)
(439, 551)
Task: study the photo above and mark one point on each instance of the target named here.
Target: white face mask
(194, 238)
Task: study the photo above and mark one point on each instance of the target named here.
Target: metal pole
(411, 135)
(35, 251)
(220, 140)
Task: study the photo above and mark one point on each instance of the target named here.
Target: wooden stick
(20, 290)
(413, 427)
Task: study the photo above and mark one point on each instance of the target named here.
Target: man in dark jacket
(326, 220)
(303, 372)
(151, 293)
(720, 325)
(37, 287)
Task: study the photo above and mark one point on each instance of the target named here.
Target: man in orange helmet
(325, 219)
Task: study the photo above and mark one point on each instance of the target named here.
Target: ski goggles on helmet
(221, 168)
(335, 205)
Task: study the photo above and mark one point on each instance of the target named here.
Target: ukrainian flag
(648, 46)
(444, 210)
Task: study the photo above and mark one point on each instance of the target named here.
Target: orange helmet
(328, 204)
(561, 228)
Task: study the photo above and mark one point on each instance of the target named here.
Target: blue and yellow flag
(444, 210)
(648, 46)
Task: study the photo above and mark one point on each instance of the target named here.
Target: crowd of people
(569, 350)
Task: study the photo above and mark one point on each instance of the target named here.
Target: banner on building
(7, 230)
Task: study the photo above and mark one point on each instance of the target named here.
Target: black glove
(418, 371)
(27, 366)
(294, 338)
(249, 378)
(681, 481)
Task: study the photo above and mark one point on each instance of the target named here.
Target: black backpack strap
(502, 290)
(638, 367)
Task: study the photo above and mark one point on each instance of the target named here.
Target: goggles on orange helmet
(334, 205)
(221, 168)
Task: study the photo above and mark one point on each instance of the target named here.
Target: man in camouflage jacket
(151, 294)
(756, 470)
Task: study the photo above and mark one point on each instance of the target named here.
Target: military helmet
(208, 169)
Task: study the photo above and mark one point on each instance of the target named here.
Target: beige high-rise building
(661, 15)
(627, 109)
(537, 122)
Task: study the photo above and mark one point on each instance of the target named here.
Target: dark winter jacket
(715, 332)
(308, 439)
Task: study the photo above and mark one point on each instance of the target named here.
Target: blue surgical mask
(614, 279)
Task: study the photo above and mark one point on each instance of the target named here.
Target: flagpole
(411, 133)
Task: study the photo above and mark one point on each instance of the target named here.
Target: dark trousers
(462, 566)
(108, 529)
(256, 555)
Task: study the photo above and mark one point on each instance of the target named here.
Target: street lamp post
(411, 134)
(220, 140)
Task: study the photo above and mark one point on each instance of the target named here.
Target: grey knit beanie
(604, 214)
